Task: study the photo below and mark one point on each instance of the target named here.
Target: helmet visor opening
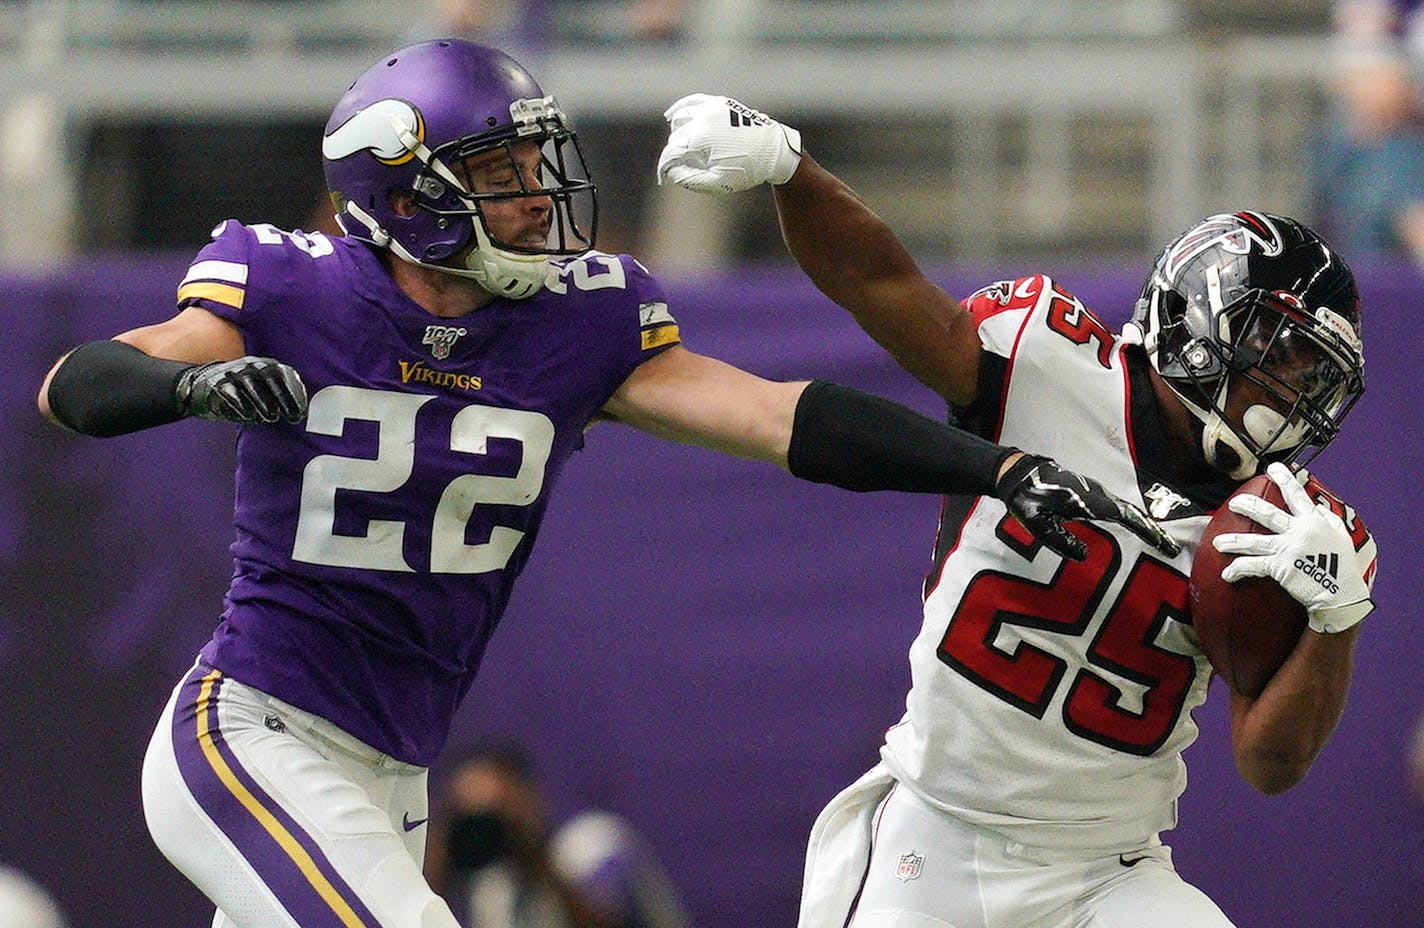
(549, 166)
(1308, 379)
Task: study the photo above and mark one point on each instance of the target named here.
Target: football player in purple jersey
(1039, 759)
(408, 395)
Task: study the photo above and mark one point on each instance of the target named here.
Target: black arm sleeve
(861, 442)
(110, 388)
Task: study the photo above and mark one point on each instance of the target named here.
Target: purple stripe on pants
(285, 856)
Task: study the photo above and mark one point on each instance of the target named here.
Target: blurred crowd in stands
(1367, 179)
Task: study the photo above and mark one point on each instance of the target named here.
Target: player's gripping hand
(246, 390)
(1042, 495)
(1310, 554)
(717, 145)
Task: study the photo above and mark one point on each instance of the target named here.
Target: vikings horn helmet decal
(379, 129)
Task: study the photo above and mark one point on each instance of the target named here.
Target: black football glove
(1042, 495)
(246, 390)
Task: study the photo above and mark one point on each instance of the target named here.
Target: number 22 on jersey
(381, 548)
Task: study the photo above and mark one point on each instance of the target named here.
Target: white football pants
(283, 819)
(880, 857)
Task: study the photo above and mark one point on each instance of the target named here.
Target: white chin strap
(1216, 433)
(1266, 427)
(502, 273)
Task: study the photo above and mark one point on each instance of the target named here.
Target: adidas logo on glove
(1322, 568)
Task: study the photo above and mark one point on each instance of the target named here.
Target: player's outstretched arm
(831, 434)
(1276, 736)
(717, 145)
(191, 365)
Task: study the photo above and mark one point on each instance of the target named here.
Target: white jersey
(1040, 755)
(1051, 699)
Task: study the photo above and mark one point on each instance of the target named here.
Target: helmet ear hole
(1197, 356)
(401, 202)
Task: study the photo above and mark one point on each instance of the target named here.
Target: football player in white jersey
(1039, 759)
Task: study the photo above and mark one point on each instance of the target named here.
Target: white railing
(953, 67)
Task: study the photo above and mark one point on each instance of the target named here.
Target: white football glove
(717, 145)
(1311, 554)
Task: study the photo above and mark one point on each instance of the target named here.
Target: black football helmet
(1256, 308)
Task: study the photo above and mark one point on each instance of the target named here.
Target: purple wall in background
(705, 645)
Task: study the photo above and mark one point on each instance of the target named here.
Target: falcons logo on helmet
(1234, 232)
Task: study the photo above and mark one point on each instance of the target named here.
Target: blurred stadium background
(982, 129)
(706, 646)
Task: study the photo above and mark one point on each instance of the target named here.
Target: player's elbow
(1276, 782)
(1272, 771)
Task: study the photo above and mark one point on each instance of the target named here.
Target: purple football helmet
(399, 136)
(1253, 298)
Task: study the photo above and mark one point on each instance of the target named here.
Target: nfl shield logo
(909, 867)
(441, 338)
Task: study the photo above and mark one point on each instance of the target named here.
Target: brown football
(1247, 628)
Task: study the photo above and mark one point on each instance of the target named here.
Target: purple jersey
(378, 540)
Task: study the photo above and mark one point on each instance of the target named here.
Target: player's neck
(444, 295)
(1181, 432)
